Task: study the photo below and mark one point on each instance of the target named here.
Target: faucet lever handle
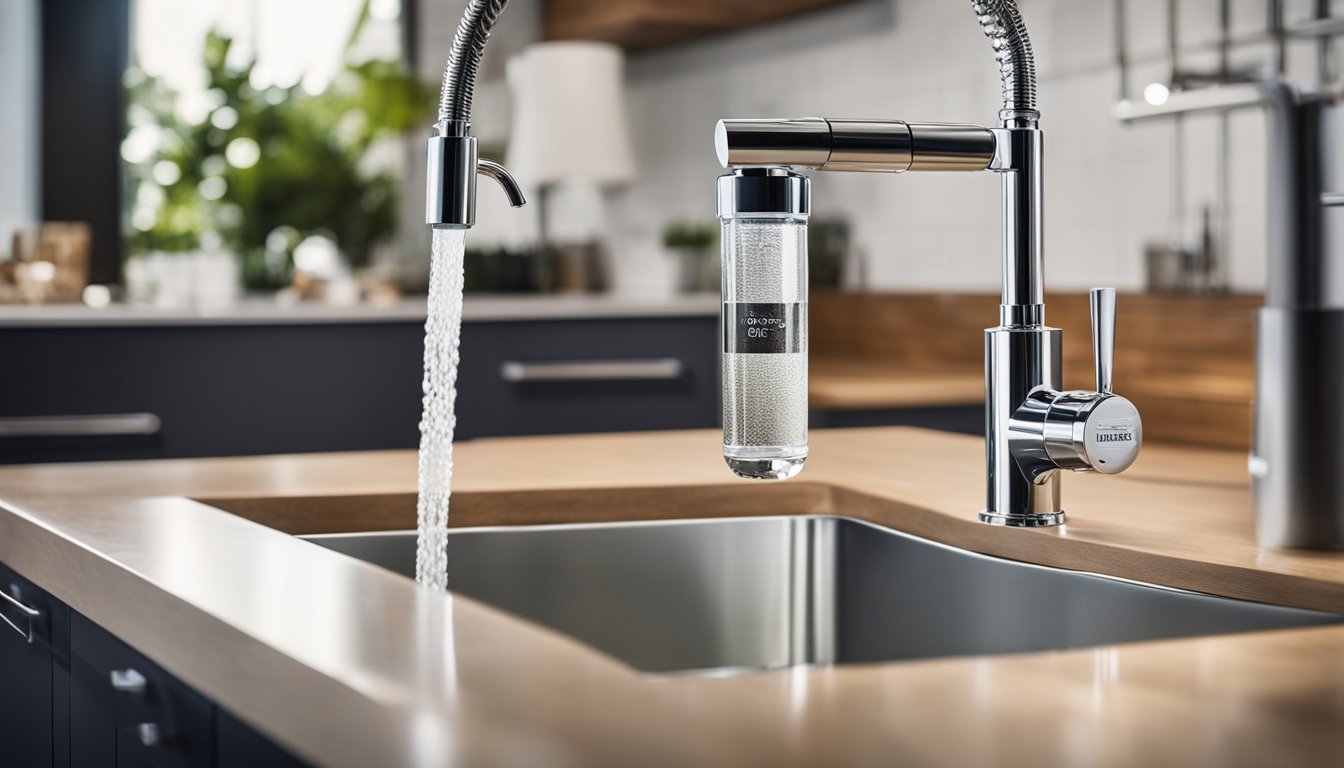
(1103, 336)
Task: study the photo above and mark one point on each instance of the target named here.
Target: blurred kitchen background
(212, 240)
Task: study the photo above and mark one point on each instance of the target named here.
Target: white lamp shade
(569, 121)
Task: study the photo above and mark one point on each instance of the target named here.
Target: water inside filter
(443, 331)
(765, 379)
(765, 405)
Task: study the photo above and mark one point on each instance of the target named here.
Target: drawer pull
(22, 618)
(104, 425)
(128, 681)
(652, 369)
(149, 734)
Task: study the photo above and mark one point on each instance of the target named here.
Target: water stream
(443, 330)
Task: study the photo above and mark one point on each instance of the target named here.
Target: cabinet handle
(105, 425)
(22, 618)
(129, 681)
(651, 369)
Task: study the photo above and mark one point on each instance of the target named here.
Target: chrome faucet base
(1042, 520)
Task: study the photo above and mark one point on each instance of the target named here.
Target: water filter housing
(763, 213)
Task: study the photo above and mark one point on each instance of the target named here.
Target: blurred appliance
(569, 139)
(1297, 449)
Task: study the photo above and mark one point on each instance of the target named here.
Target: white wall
(19, 119)
(1109, 187)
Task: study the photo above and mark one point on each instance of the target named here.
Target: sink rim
(800, 518)
(804, 516)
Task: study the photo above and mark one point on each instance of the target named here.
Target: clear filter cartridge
(764, 218)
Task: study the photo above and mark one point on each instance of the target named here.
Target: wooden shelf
(642, 24)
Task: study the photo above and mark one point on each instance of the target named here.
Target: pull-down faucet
(1033, 429)
(450, 193)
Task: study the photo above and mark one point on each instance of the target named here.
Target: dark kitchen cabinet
(242, 747)
(233, 389)
(34, 674)
(76, 696)
(126, 710)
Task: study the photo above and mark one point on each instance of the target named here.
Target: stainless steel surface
(450, 189)
(1007, 32)
(1019, 492)
(803, 142)
(501, 176)
(1035, 430)
(464, 58)
(656, 369)
(98, 425)
(1019, 162)
(450, 192)
(1298, 445)
(1102, 302)
(829, 144)
(763, 190)
(20, 617)
(1297, 482)
(756, 593)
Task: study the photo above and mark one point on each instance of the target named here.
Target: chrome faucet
(1033, 429)
(1297, 452)
(450, 194)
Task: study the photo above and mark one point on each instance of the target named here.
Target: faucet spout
(450, 184)
(501, 175)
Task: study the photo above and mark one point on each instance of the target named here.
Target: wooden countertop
(845, 385)
(1187, 362)
(350, 665)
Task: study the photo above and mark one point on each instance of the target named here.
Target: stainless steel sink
(752, 593)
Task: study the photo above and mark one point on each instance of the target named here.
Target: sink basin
(742, 594)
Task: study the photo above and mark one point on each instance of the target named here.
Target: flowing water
(443, 330)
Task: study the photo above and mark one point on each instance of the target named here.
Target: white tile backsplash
(1109, 188)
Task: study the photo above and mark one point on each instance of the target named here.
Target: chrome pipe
(874, 146)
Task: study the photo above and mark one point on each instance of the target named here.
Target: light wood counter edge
(112, 558)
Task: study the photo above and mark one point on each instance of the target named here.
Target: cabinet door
(34, 657)
(127, 711)
(242, 747)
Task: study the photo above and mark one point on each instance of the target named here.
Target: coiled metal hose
(1007, 32)
(459, 77)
